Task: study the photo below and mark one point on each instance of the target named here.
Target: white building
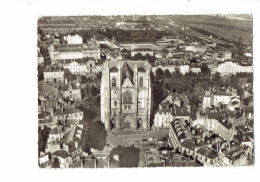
(212, 123)
(231, 68)
(53, 73)
(143, 52)
(162, 118)
(206, 102)
(195, 48)
(172, 68)
(73, 39)
(74, 51)
(80, 66)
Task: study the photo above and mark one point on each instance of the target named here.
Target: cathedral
(126, 95)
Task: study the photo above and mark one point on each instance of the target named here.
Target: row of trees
(147, 35)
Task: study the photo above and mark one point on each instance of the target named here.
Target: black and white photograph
(140, 90)
(145, 91)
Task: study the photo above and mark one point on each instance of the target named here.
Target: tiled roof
(74, 47)
(207, 153)
(180, 112)
(56, 130)
(164, 110)
(70, 110)
(141, 69)
(131, 64)
(127, 71)
(89, 163)
(61, 153)
(54, 68)
(113, 69)
(189, 144)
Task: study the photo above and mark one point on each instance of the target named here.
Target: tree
(205, 69)
(167, 73)
(99, 75)
(159, 73)
(96, 135)
(193, 60)
(217, 76)
(250, 80)
(165, 51)
(167, 86)
(138, 56)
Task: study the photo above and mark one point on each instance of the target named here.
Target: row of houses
(221, 153)
(228, 98)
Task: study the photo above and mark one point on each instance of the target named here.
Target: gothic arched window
(114, 82)
(127, 98)
(141, 82)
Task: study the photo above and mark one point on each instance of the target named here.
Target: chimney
(66, 82)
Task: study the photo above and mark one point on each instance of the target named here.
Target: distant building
(143, 52)
(80, 66)
(53, 73)
(74, 51)
(73, 39)
(231, 68)
(195, 48)
(224, 97)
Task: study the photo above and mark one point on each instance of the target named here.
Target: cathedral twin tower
(126, 95)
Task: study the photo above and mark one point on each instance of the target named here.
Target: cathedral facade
(126, 95)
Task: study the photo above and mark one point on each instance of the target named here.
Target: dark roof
(207, 153)
(69, 110)
(189, 144)
(141, 69)
(56, 130)
(113, 69)
(161, 164)
(127, 71)
(89, 163)
(180, 112)
(164, 110)
(54, 68)
(74, 47)
(61, 153)
(44, 115)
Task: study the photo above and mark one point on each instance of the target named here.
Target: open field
(226, 33)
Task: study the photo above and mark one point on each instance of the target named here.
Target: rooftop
(207, 153)
(61, 153)
(66, 111)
